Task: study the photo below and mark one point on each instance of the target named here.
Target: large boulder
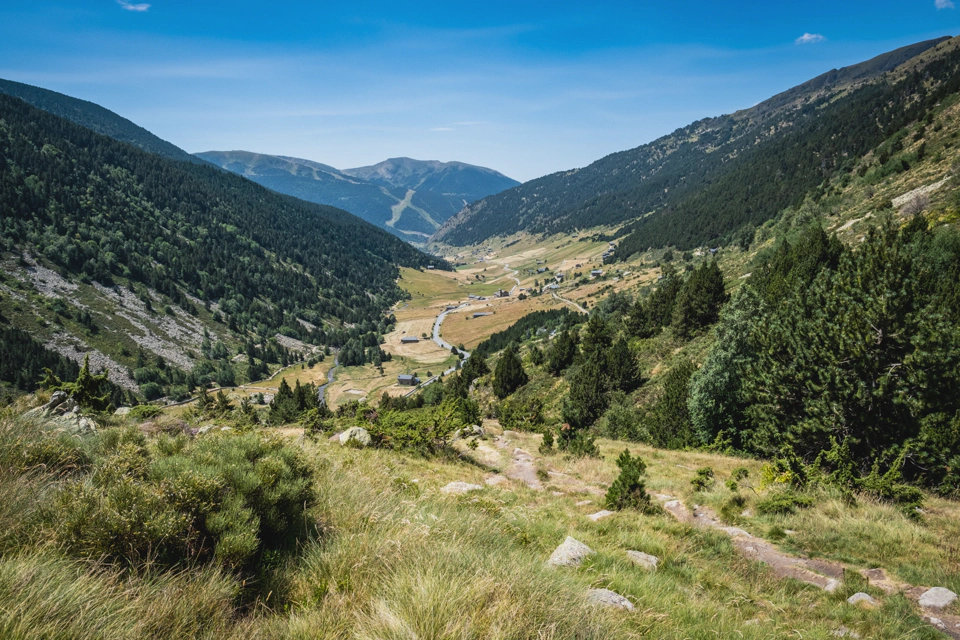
(608, 598)
(355, 437)
(937, 598)
(460, 488)
(862, 599)
(569, 554)
(644, 560)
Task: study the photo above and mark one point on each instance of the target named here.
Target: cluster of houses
(608, 255)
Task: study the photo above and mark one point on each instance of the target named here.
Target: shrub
(703, 480)
(732, 508)
(577, 443)
(783, 502)
(144, 412)
(224, 498)
(628, 491)
(546, 446)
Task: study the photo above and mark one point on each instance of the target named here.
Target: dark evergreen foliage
(563, 350)
(102, 209)
(629, 491)
(527, 327)
(509, 374)
(708, 180)
(669, 418)
(699, 300)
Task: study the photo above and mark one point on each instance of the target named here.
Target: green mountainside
(141, 261)
(705, 182)
(410, 198)
(94, 117)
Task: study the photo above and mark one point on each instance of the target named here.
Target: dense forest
(96, 118)
(841, 365)
(105, 211)
(706, 181)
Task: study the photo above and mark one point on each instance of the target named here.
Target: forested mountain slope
(95, 117)
(410, 198)
(704, 182)
(95, 232)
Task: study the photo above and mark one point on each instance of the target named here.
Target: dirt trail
(824, 574)
(520, 466)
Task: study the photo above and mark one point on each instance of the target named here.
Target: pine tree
(622, 367)
(670, 417)
(562, 352)
(699, 300)
(629, 491)
(587, 399)
(660, 303)
(509, 374)
(638, 322)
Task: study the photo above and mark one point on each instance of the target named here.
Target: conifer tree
(670, 417)
(587, 399)
(562, 352)
(509, 374)
(660, 303)
(622, 367)
(699, 300)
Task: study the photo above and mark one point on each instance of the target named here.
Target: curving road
(570, 302)
(443, 345)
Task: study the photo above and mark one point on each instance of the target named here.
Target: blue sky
(526, 88)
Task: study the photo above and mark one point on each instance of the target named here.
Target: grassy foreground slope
(385, 554)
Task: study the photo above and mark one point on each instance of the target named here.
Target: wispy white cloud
(129, 6)
(442, 129)
(943, 4)
(812, 38)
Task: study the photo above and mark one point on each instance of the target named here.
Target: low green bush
(224, 498)
(703, 480)
(629, 491)
(782, 503)
(144, 412)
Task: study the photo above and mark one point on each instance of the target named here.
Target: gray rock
(122, 411)
(204, 429)
(459, 488)
(476, 431)
(608, 598)
(644, 560)
(862, 598)
(569, 554)
(600, 515)
(355, 437)
(58, 398)
(493, 481)
(937, 598)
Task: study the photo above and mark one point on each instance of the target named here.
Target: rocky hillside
(707, 181)
(168, 267)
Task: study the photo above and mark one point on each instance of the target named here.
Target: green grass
(395, 558)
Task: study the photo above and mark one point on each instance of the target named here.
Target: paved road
(570, 302)
(443, 345)
(514, 278)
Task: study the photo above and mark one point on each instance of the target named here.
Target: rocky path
(520, 465)
(824, 574)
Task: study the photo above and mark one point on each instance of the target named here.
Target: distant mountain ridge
(408, 197)
(704, 182)
(96, 118)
